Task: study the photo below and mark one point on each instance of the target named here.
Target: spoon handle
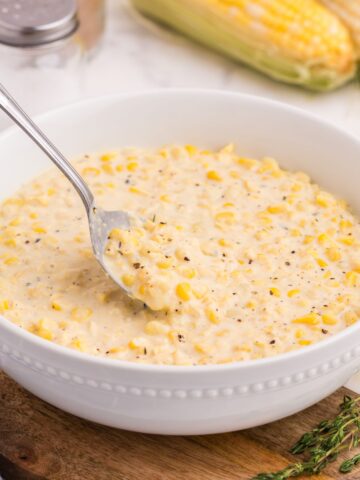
(14, 111)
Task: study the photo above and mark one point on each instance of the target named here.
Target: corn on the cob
(296, 41)
(349, 12)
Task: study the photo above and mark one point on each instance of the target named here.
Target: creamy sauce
(237, 258)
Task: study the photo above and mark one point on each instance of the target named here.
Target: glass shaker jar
(41, 53)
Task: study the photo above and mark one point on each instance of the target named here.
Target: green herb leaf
(348, 465)
(324, 444)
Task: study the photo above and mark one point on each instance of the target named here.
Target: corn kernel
(80, 314)
(308, 239)
(264, 219)
(268, 165)
(345, 224)
(303, 177)
(309, 319)
(277, 174)
(132, 166)
(350, 318)
(78, 239)
(323, 238)
(91, 171)
(245, 348)
(328, 319)
(5, 305)
(212, 316)
(33, 215)
(188, 272)
(164, 264)
(136, 190)
(333, 254)
(137, 343)
(191, 150)
(324, 199)
(247, 162)
(41, 331)
(173, 335)
(107, 157)
(224, 243)
(56, 306)
(20, 202)
(107, 168)
(274, 209)
(143, 290)
(199, 292)
(321, 263)
(226, 217)
(102, 297)
(349, 240)
(154, 328)
(11, 242)
(11, 260)
(213, 175)
(119, 168)
(117, 234)
(304, 342)
(183, 291)
(299, 333)
(235, 174)
(15, 222)
(296, 187)
(128, 280)
(200, 348)
(352, 279)
(293, 292)
(275, 292)
(229, 148)
(77, 344)
(38, 229)
(113, 350)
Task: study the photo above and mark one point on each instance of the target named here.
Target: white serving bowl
(170, 399)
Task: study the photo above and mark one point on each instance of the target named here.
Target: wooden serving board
(40, 442)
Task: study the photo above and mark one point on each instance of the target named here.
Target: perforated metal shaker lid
(26, 23)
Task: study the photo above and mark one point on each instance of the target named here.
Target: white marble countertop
(138, 55)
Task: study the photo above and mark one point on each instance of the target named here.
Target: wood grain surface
(40, 442)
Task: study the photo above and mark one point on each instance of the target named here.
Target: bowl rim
(116, 364)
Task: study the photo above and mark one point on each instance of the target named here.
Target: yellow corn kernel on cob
(349, 12)
(296, 41)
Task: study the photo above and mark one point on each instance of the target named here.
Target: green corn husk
(296, 59)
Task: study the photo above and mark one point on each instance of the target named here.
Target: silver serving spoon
(101, 222)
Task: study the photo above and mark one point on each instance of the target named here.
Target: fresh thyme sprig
(324, 443)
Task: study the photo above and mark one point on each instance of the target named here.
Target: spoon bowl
(101, 222)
